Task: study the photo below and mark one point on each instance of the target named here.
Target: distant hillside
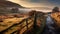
(9, 4)
(6, 5)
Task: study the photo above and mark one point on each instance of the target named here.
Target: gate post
(27, 23)
(35, 20)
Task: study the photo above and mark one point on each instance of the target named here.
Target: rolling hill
(9, 4)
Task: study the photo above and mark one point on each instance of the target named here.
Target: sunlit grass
(56, 17)
(9, 22)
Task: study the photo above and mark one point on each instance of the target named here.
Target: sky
(38, 3)
(41, 5)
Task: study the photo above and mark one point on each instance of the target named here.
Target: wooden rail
(25, 25)
(21, 26)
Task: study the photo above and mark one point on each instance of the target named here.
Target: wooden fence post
(27, 23)
(35, 20)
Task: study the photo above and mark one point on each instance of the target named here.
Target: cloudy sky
(38, 3)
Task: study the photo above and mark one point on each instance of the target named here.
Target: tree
(14, 10)
(55, 9)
